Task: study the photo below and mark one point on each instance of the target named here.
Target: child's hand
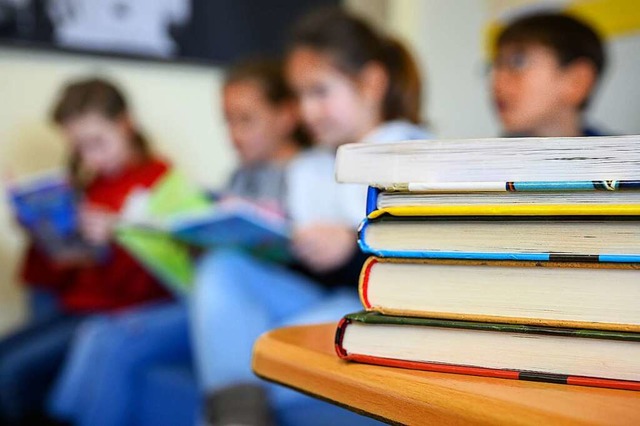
(323, 247)
(73, 259)
(96, 224)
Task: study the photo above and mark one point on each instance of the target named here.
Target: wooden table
(303, 358)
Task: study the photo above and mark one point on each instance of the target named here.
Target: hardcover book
(556, 355)
(541, 238)
(538, 203)
(561, 294)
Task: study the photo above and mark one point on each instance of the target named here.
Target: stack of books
(511, 258)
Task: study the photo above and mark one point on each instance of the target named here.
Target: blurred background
(168, 56)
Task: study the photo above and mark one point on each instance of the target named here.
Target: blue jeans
(236, 298)
(29, 363)
(43, 304)
(102, 375)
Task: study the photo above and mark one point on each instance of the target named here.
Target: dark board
(207, 31)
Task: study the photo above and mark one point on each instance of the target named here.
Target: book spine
(363, 284)
(586, 185)
(362, 239)
(510, 210)
(533, 257)
(495, 373)
(372, 200)
(618, 258)
(342, 326)
(594, 185)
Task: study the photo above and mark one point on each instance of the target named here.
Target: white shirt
(313, 195)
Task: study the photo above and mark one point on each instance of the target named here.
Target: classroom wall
(178, 105)
(446, 37)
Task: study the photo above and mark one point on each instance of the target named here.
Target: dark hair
(353, 43)
(570, 38)
(98, 96)
(269, 74)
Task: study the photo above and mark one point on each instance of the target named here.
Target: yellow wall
(176, 105)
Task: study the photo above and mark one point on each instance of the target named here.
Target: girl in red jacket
(108, 158)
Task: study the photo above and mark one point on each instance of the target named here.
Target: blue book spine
(372, 200)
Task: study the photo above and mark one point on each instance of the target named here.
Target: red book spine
(364, 281)
(478, 371)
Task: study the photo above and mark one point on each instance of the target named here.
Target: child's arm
(324, 247)
(97, 224)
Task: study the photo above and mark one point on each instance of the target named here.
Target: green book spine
(376, 318)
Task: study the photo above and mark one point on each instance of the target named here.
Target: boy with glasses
(544, 72)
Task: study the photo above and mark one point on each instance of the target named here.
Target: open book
(233, 222)
(45, 204)
(161, 226)
(167, 258)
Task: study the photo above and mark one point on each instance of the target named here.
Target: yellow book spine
(512, 210)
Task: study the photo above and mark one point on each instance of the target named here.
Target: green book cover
(376, 318)
(167, 258)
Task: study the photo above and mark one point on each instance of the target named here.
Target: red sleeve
(112, 193)
(38, 271)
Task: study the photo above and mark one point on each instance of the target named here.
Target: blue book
(231, 224)
(240, 228)
(46, 206)
(532, 238)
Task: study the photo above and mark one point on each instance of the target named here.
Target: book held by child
(46, 206)
(164, 226)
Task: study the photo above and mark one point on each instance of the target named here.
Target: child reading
(353, 84)
(100, 384)
(108, 158)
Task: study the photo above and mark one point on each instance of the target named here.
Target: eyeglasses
(514, 62)
(518, 61)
